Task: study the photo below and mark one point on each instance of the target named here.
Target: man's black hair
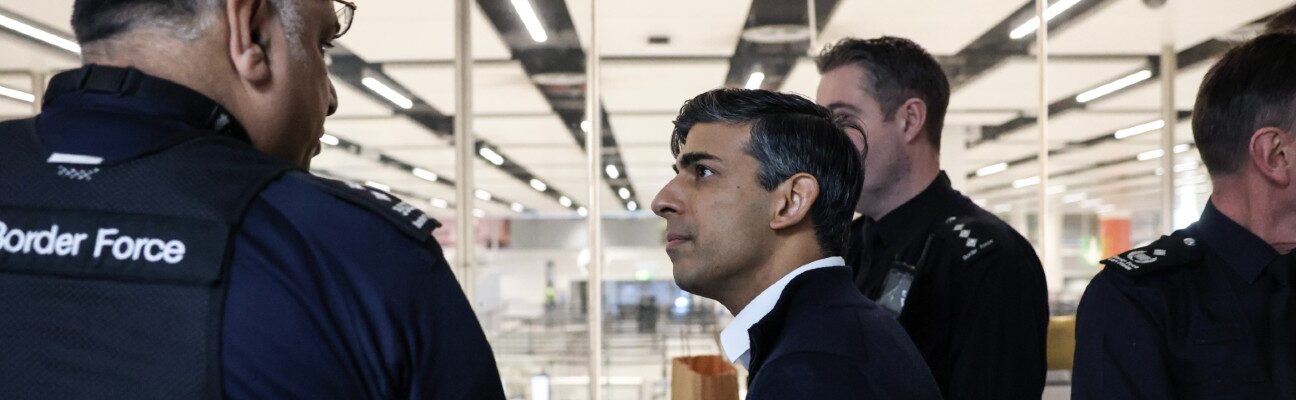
(789, 135)
(896, 69)
(1252, 87)
(94, 20)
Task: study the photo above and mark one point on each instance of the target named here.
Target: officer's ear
(1273, 153)
(912, 116)
(247, 46)
(792, 200)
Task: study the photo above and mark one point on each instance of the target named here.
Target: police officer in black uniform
(160, 238)
(969, 290)
(1207, 312)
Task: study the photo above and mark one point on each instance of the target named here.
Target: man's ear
(792, 200)
(912, 117)
(247, 44)
(1273, 153)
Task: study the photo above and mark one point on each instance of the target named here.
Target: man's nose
(667, 200)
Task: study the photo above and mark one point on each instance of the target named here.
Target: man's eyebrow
(688, 159)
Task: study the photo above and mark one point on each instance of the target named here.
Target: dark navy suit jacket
(823, 340)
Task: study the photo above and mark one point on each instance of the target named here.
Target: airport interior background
(1120, 168)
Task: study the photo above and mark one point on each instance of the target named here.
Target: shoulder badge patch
(1165, 253)
(970, 238)
(404, 215)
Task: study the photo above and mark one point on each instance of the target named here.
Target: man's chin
(686, 280)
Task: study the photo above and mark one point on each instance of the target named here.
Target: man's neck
(783, 261)
(877, 206)
(179, 64)
(1258, 212)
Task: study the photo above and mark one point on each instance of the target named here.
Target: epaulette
(1163, 254)
(970, 237)
(405, 216)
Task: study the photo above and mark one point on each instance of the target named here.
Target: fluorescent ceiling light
(565, 201)
(378, 186)
(632, 206)
(582, 211)
(491, 155)
(538, 185)
(1032, 24)
(1180, 148)
(517, 207)
(530, 20)
(17, 94)
(479, 213)
(329, 139)
(1003, 208)
(425, 174)
(1113, 86)
(1140, 129)
(482, 194)
(586, 126)
(1151, 155)
(612, 171)
(1091, 203)
(1073, 198)
(755, 80)
(992, 169)
(1056, 189)
(1026, 182)
(39, 34)
(439, 203)
(625, 193)
(388, 93)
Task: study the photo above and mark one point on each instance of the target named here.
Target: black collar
(193, 108)
(1242, 250)
(912, 218)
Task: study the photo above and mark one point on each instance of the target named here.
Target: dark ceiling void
(557, 68)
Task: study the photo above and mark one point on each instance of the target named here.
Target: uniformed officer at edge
(1207, 312)
(161, 239)
(969, 290)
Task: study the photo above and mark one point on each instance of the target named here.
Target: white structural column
(812, 19)
(594, 147)
(1052, 268)
(38, 90)
(1169, 67)
(464, 148)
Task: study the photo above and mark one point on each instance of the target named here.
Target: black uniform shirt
(329, 296)
(977, 307)
(1185, 317)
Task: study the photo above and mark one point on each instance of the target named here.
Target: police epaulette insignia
(405, 216)
(970, 243)
(1165, 253)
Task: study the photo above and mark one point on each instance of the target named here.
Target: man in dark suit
(757, 219)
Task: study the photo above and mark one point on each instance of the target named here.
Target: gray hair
(98, 20)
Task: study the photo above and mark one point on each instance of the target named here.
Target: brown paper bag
(703, 378)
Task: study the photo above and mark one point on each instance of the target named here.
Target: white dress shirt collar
(735, 340)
